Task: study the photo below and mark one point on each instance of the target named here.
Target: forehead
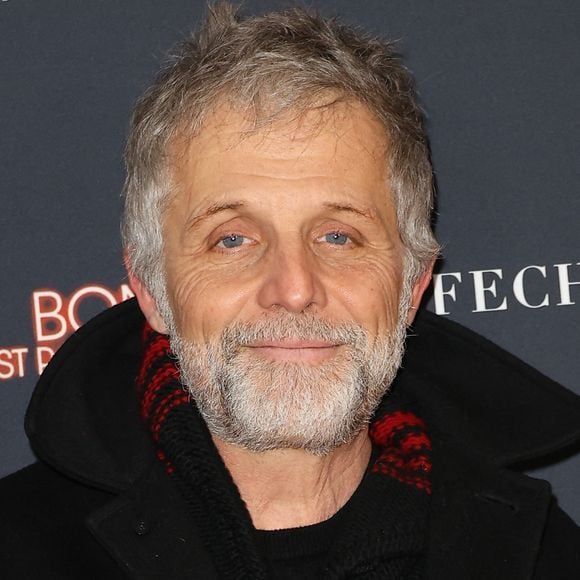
(341, 146)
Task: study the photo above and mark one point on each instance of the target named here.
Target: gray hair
(282, 62)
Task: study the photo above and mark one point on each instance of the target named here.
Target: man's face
(284, 273)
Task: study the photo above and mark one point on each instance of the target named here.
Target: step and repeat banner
(499, 81)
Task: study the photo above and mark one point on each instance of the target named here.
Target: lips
(298, 351)
(292, 344)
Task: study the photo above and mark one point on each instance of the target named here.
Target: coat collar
(83, 418)
(486, 521)
(482, 395)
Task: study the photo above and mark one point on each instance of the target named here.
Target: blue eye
(231, 241)
(336, 238)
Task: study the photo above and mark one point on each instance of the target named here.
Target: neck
(288, 488)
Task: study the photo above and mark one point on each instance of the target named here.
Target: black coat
(99, 505)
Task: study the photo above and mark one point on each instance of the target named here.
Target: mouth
(298, 351)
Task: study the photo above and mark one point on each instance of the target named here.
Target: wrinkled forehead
(331, 131)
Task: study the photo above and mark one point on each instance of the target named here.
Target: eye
(232, 241)
(337, 238)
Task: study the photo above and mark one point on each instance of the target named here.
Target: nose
(292, 281)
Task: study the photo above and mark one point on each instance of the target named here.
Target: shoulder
(43, 527)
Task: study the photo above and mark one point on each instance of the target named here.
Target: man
(253, 419)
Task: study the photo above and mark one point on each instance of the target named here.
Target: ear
(146, 301)
(418, 291)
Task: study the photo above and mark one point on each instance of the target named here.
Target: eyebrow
(212, 210)
(347, 207)
(217, 208)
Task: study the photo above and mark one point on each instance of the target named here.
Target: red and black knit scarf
(184, 445)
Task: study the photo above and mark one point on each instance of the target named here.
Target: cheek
(204, 301)
(370, 291)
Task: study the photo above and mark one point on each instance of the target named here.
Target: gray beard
(261, 405)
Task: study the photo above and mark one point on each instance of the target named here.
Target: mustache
(290, 326)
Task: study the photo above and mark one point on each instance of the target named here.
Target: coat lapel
(487, 522)
(149, 532)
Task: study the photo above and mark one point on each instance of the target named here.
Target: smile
(300, 351)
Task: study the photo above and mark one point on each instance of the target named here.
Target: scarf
(391, 532)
